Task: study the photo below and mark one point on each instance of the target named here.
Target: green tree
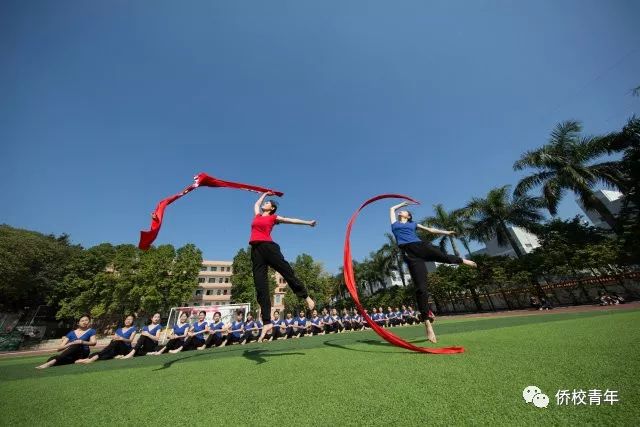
(457, 220)
(32, 265)
(492, 216)
(566, 162)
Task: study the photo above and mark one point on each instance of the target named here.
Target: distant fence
(568, 292)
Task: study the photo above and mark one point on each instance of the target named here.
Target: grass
(351, 379)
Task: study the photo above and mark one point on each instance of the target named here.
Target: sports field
(352, 379)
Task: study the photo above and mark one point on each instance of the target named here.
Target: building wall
(214, 286)
(613, 202)
(526, 242)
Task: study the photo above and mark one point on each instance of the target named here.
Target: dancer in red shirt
(266, 253)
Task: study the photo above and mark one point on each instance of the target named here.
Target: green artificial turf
(351, 379)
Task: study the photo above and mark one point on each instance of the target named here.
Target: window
(207, 304)
(214, 268)
(198, 292)
(278, 299)
(226, 280)
(212, 280)
(218, 292)
(228, 268)
(203, 268)
(220, 280)
(200, 279)
(209, 292)
(224, 292)
(195, 304)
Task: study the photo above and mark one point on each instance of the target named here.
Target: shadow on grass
(259, 356)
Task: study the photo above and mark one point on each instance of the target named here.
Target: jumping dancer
(416, 253)
(266, 253)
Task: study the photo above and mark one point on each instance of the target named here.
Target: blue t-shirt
(198, 327)
(151, 330)
(236, 328)
(217, 327)
(346, 318)
(301, 321)
(180, 330)
(289, 323)
(405, 232)
(84, 337)
(126, 335)
(316, 321)
(277, 323)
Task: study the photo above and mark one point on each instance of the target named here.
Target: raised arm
(435, 230)
(392, 210)
(256, 207)
(284, 220)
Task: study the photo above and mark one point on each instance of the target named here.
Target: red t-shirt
(261, 228)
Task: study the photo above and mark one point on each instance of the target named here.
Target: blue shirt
(198, 328)
(301, 321)
(180, 330)
(276, 323)
(405, 232)
(84, 337)
(346, 318)
(126, 335)
(289, 323)
(316, 321)
(236, 326)
(326, 319)
(153, 330)
(217, 327)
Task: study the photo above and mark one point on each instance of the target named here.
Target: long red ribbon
(200, 180)
(350, 281)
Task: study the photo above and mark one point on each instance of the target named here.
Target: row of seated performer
(128, 341)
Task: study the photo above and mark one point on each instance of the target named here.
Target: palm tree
(565, 163)
(391, 252)
(493, 215)
(457, 221)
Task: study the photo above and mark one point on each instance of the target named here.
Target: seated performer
(289, 322)
(300, 325)
(279, 328)
(315, 323)
(147, 339)
(74, 345)
(120, 344)
(179, 333)
(346, 320)
(195, 336)
(236, 332)
(217, 333)
(337, 322)
(251, 329)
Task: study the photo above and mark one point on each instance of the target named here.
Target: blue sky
(107, 107)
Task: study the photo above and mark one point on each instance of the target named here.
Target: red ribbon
(350, 281)
(200, 180)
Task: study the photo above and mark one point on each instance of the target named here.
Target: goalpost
(227, 313)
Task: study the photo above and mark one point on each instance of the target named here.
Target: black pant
(415, 255)
(233, 339)
(174, 343)
(115, 348)
(70, 355)
(144, 345)
(191, 343)
(215, 340)
(263, 256)
(249, 336)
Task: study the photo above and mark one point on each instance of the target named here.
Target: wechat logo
(533, 394)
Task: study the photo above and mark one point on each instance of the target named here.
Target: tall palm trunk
(454, 246)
